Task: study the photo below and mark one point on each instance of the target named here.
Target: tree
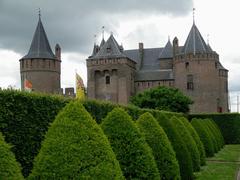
(162, 98)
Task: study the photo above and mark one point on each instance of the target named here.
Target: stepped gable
(40, 48)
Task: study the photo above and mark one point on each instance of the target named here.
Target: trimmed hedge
(132, 151)
(9, 167)
(182, 154)
(75, 147)
(190, 143)
(196, 139)
(229, 124)
(204, 136)
(24, 119)
(163, 152)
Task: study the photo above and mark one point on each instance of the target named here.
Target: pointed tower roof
(40, 47)
(167, 51)
(102, 43)
(195, 42)
(110, 49)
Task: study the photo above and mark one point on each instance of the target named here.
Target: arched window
(107, 78)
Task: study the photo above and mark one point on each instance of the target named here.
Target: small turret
(175, 46)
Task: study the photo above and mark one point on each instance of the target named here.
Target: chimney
(58, 51)
(175, 46)
(141, 53)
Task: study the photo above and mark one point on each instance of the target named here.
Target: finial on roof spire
(103, 32)
(194, 15)
(168, 38)
(39, 13)
(111, 33)
(95, 39)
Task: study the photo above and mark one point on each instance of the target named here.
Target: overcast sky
(73, 24)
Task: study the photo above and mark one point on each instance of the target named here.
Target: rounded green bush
(188, 139)
(163, 152)
(204, 136)
(75, 147)
(9, 167)
(132, 151)
(196, 139)
(179, 146)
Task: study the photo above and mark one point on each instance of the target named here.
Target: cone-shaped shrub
(215, 133)
(218, 132)
(9, 167)
(163, 152)
(188, 139)
(131, 149)
(179, 146)
(204, 136)
(196, 139)
(75, 147)
(211, 134)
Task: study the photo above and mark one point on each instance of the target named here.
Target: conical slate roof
(102, 43)
(167, 51)
(195, 42)
(110, 49)
(40, 47)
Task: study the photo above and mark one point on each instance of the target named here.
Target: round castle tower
(40, 67)
(199, 74)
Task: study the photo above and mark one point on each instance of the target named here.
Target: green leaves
(162, 98)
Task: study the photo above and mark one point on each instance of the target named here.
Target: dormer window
(108, 49)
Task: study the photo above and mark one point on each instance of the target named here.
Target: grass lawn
(223, 166)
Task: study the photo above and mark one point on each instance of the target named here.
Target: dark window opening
(190, 85)
(107, 79)
(187, 65)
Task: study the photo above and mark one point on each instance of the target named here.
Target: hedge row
(24, 119)
(75, 147)
(229, 124)
(9, 167)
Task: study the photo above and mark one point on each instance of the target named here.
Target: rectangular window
(190, 85)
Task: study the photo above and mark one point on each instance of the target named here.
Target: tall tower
(40, 66)
(110, 73)
(199, 74)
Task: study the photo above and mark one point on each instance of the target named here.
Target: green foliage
(211, 134)
(75, 147)
(188, 139)
(204, 136)
(229, 124)
(132, 151)
(196, 139)
(9, 167)
(178, 144)
(162, 98)
(24, 119)
(163, 152)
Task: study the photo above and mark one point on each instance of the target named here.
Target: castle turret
(197, 73)
(110, 73)
(40, 67)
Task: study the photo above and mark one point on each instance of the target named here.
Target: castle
(115, 74)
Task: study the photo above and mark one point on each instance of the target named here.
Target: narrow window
(190, 85)
(187, 65)
(107, 79)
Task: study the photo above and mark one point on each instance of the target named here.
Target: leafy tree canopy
(162, 98)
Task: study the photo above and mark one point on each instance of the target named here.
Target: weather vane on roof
(39, 12)
(103, 32)
(194, 15)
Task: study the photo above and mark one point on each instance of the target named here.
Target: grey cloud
(73, 23)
